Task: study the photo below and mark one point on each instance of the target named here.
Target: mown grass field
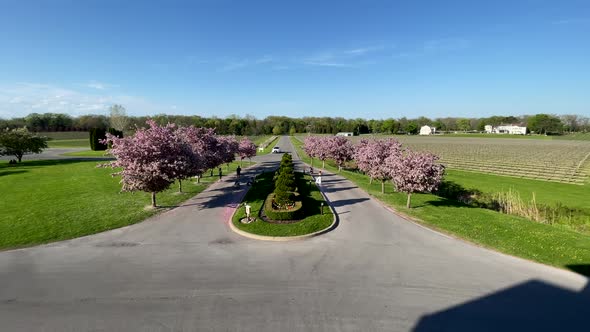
(65, 135)
(51, 200)
(314, 221)
(69, 143)
(554, 245)
(87, 153)
(550, 193)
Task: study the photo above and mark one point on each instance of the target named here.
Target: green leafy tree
(412, 128)
(276, 130)
(545, 124)
(464, 124)
(18, 142)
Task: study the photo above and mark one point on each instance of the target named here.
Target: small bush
(294, 213)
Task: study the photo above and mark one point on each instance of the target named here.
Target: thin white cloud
(20, 99)
(363, 50)
(569, 21)
(348, 58)
(234, 65)
(99, 85)
(328, 64)
(231, 65)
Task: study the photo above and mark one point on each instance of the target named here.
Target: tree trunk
(311, 162)
(199, 178)
(408, 205)
(241, 160)
(371, 180)
(228, 167)
(19, 157)
(339, 168)
(179, 185)
(382, 186)
(323, 164)
(153, 199)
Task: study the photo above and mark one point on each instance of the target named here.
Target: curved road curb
(284, 238)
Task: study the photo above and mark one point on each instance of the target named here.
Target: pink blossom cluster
(246, 149)
(338, 148)
(381, 159)
(154, 157)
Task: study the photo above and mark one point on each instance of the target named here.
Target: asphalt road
(185, 270)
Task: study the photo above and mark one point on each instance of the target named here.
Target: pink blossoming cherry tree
(150, 160)
(415, 172)
(340, 149)
(370, 156)
(246, 149)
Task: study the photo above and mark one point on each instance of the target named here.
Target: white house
(505, 129)
(427, 130)
(345, 134)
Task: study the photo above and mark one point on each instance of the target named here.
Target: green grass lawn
(554, 245)
(575, 136)
(51, 200)
(314, 221)
(551, 193)
(65, 135)
(69, 143)
(87, 153)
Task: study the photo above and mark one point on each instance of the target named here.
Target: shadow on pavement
(345, 202)
(583, 269)
(530, 306)
(335, 189)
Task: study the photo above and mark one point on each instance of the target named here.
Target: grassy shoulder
(87, 153)
(268, 148)
(553, 245)
(69, 143)
(65, 135)
(52, 200)
(312, 198)
(551, 193)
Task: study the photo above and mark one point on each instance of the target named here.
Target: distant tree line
(277, 125)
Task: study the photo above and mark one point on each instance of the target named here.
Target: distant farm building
(427, 130)
(512, 130)
(345, 134)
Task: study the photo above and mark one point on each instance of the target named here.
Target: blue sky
(371, 59)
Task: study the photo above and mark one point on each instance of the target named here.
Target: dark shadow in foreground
(531, 306)
(583, 269)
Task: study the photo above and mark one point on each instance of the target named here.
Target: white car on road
(276, 149)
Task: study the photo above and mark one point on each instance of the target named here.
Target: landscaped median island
(558, 245)
(283, 204)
